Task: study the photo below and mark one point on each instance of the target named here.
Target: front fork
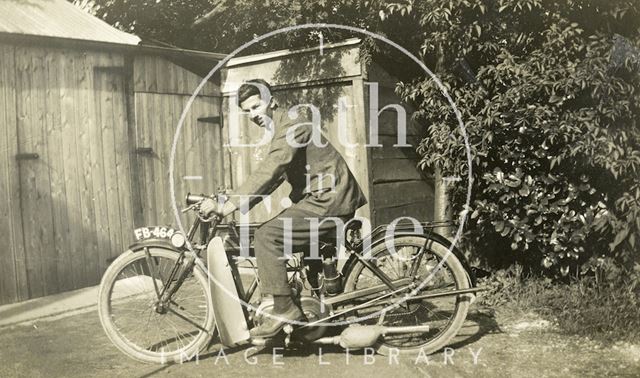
(180, 271)
(183, 267)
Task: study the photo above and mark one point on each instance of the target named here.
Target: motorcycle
(167, 297)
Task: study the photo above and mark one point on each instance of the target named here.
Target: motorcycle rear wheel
(444, 315)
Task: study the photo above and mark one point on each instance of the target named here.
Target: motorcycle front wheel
(138, 325)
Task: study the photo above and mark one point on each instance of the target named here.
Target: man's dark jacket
(317, 164)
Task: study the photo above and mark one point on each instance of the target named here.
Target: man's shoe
(274, 323)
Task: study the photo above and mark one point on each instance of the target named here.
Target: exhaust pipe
(355, 337)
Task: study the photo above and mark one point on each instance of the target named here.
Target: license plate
(155, 232)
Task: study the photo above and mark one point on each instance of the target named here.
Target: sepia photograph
(315, 188)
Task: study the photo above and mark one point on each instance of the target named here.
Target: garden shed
(88, 115)
(331, 77)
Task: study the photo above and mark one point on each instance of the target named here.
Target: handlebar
(192, 199)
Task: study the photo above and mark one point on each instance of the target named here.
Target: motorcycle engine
(312, 308)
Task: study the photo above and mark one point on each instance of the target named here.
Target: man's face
(258, 110)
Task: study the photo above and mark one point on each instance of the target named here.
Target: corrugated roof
(58, 18)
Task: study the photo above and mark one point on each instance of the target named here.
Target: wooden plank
(388, 151)
(388, 119)
(43, 183)
(138, 74)
(85, 218)
(123, 167)
(420, 210)
(155, 128)
(8, 289)
(185, 159)
(135, 176)
(174, 75)
(155, 74)
(159, 132)
(151, 75)
(382, 153)
(98, 176)
(169, 103)
(162, 76)
(69, 121)
(393, 194)
(363, 166)
(173, 108)
(389, 170)
(211, 150)
(188, 161)
(105, 88)
(28, 171)
(389, 123)
(56, 143)
(189, 82)
(14, 181)
(86, 122)
(143, 125)
(13, 285)
(183, 81)
(210, 88)
(139, 116)
(247, 163)
(42, 226)
(229, 173)
(338, 63)
(216, 140)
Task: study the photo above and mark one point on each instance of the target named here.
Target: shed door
(198, 166)
(162, 90)
(73, 164)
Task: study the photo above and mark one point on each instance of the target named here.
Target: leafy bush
(551, 115)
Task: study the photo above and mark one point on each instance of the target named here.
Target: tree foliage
(549, 92)
(550, 96)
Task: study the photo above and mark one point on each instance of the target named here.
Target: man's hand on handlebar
(209, 206)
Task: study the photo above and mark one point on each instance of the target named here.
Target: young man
(322, 186)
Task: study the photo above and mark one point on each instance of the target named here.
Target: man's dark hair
(247, 89)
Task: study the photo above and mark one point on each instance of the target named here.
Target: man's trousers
(288, 232)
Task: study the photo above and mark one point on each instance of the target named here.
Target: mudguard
(152, 242)
(227, 308)
(140, 245)
(379, 238)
